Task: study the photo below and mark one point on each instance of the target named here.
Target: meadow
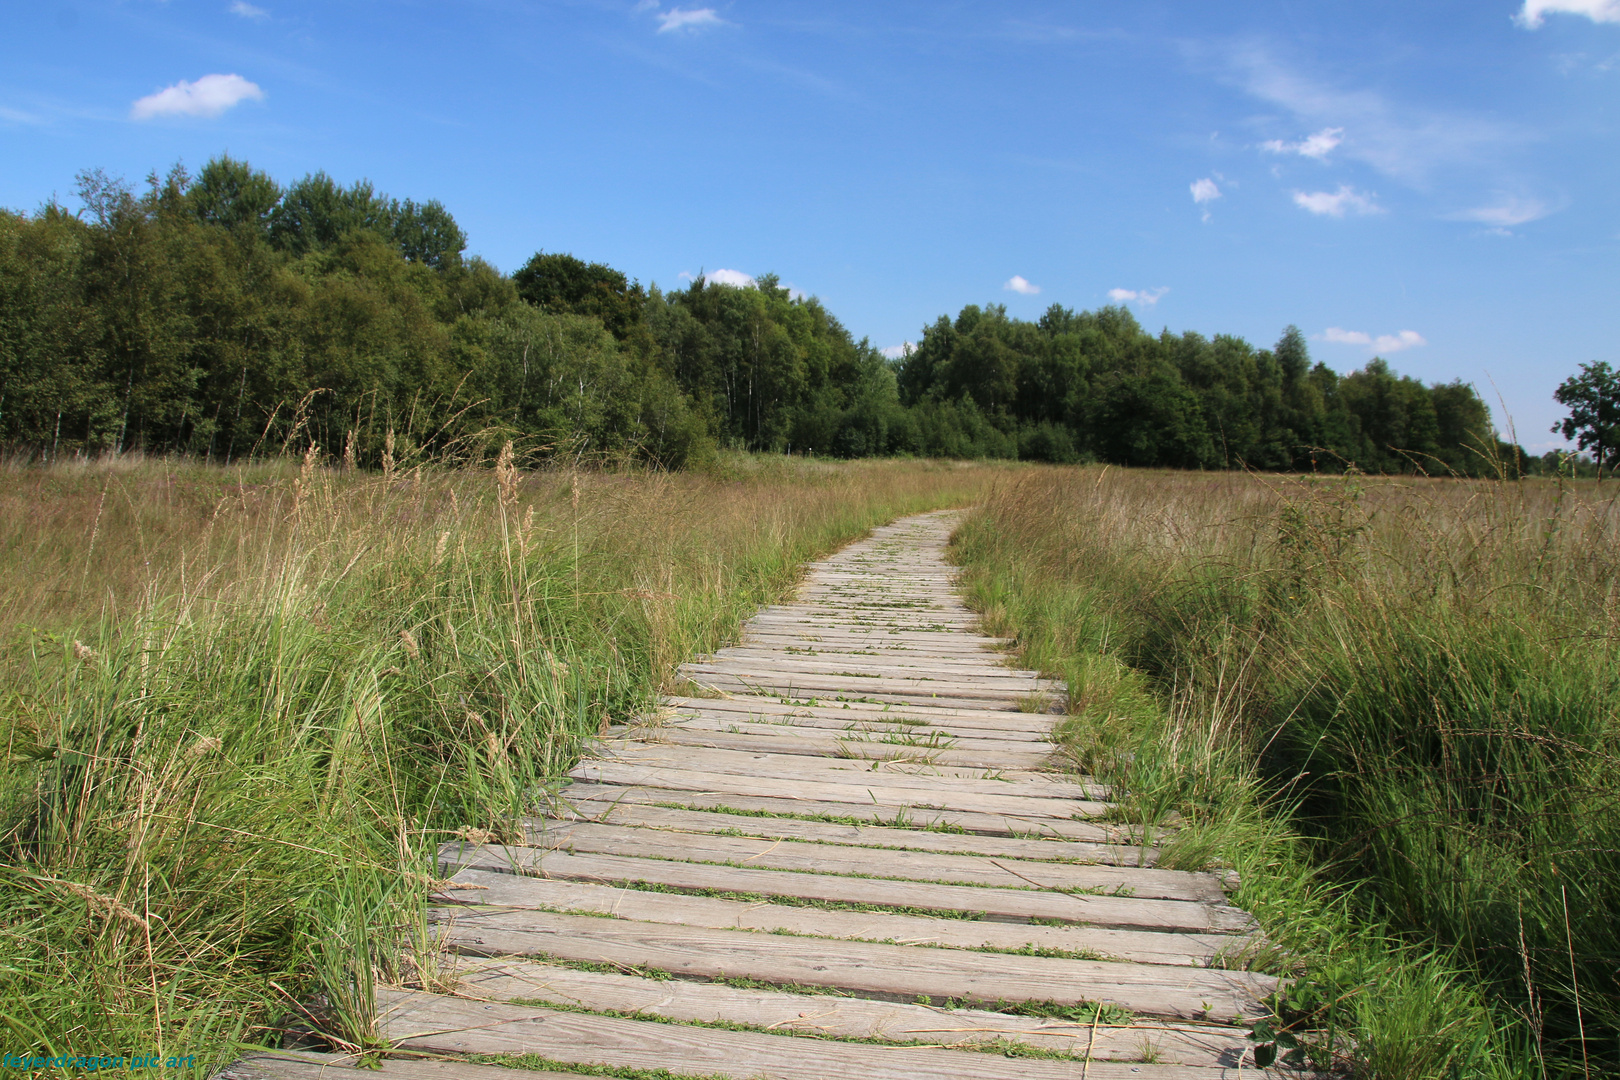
(1390, 703)
(242, 707)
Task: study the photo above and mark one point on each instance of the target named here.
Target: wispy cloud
(734, 278)
(1400, 140)
(1505, 213)
(1145, 297)
(1383, 343)
(210, 95)
(1535, 12)
(1019, 284)
(1337, 203)
(1317, 146)
(677, 19)
(247, 10)
(897, 352)
(17, 116)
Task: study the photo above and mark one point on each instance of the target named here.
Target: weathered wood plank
(841, 1017)
(425, 1022)
(822, 858)
(780, 675)
(731, 684)
(490, 889)
(1124, 913)
(824, 730)
(993, 726)
(918, 817)
(868, 664)
(767, 763)
(831, 745)
(663, 817)
(304, 1065)
(1011, 721)
(862, 791)
(895, 972)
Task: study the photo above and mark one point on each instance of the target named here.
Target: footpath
(843, 854)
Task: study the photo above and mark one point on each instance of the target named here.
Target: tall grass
(242, 708)
(1393, 705)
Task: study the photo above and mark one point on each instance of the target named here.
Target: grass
(1393, 706)
(242, 708)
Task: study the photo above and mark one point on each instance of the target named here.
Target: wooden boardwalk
(848, 828)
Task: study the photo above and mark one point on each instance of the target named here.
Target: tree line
(223, 315)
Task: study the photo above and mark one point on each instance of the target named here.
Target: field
(1390, 704)
(242, 707)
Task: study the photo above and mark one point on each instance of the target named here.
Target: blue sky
(1432, 182)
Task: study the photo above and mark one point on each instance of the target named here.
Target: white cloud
(1018, 284)
(1337, 203)
(1383, 343)
(896, 352)
(1398, 139)
(1204, 191)
(676, 19)
(247, 10)
(210, 95)
(1145, 297)
(1506, 212)
(1535, 12)
(735, 278)
(1317, 146)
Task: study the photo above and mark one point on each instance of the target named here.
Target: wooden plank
(490, 889)
(833, 745)
(1009, 720)
(894, 972)
(863, 791)
(888, 863)
(305, 1065)
(844, 771)
(900, 737)
(801, 620)
(872, 667)
(1118, 912)
(914, 817)
(851, 682)
(663, 817)
(940, 645)
(737, 710)
(955, 666)
(730, 684)
(842, 1017)
(443, 1024)
(814, 676)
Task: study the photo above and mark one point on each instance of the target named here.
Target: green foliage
(225, 315)
(1593, 398)
(1095, 386)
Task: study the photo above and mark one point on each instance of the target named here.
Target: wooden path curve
(844, 852)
